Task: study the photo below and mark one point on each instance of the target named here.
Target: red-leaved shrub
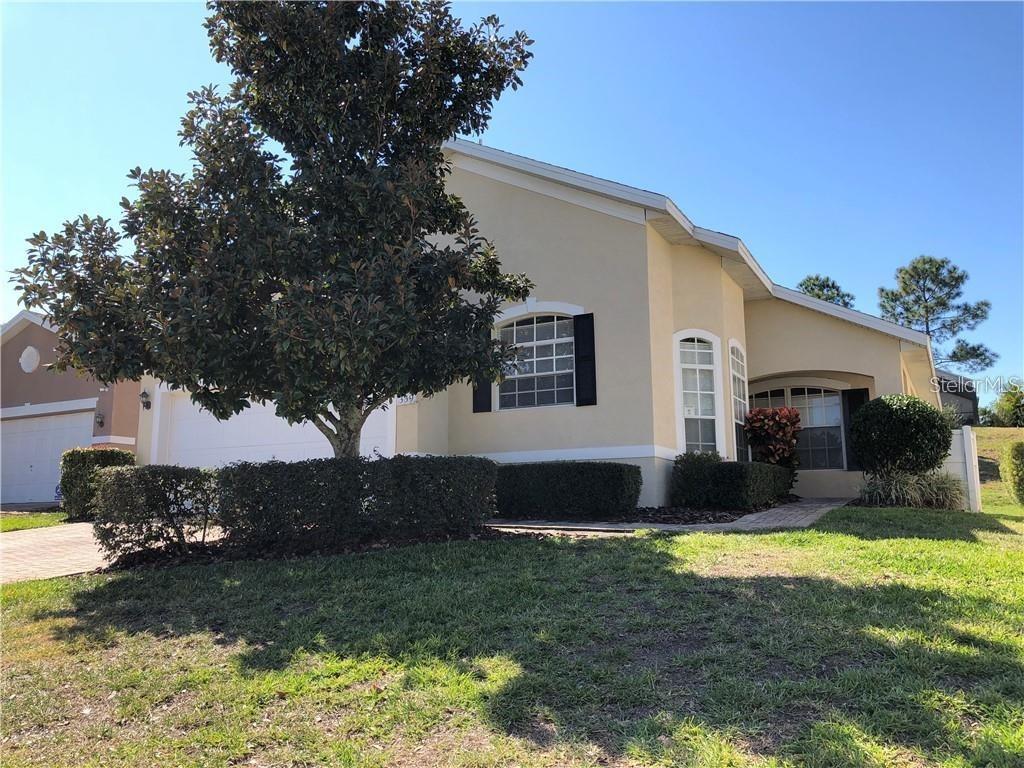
(772, 433)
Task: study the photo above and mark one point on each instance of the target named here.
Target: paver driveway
(42, 553)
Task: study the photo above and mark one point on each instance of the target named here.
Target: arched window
(697, 365)
(738, 367)
(543, 373)
(820, 440)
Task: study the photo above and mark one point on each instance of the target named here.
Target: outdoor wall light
(144, 399)
(99, 418)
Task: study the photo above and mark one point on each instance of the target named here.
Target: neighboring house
(43, 413)
(960, 394)
(646, 336)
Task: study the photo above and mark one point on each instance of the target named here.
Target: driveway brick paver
(42, 553)
(797, 514)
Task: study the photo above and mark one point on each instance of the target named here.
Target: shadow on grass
(988, 469)
(613, 642)
(886, 523)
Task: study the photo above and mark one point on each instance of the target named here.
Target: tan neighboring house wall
(44, 413)
(41, 385)
(44, 391)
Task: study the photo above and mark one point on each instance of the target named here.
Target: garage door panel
(195, 438)
(30, 453)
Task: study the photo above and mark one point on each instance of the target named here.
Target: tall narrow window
(543, 373)
(738, 366)
(697, 360)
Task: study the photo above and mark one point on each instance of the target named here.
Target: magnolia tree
(311, 258)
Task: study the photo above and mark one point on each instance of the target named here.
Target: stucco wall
(582, 257)
(784, 338)
(688, 289)
(120, 407)
(42, 385)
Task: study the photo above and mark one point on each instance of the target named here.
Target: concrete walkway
(798, 514)
(42, 553)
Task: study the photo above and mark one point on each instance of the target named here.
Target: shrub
(704, 481)
(900, 433)
(415, 497)
(1011, 470)
(932, 490)
(293, 506)
(772, 434)
(571, 490)
(152, 507)
(76, 476)
(693, 478)
(332, 504)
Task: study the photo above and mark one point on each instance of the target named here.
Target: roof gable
(666, 218)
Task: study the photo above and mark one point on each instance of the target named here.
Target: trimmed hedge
(302, 506)
(704, 481)
(1011, 470)
(331, 504)
(76, 477)
(152, 507)
(569, 490)
(900, 433)
(299, 505)
(413, 497)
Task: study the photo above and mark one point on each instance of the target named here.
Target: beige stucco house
(647, 335)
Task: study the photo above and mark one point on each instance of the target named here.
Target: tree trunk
(342, 431)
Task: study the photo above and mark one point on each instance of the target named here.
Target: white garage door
(192, 437)
(31, 450)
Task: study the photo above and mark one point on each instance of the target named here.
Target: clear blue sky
(836, 138)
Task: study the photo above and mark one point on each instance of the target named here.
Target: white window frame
(532, 306)
(734, 344)
(677, 370)
(826, 385)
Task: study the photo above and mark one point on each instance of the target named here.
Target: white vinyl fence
(962, 462)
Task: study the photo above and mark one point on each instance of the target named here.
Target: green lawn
(879, 638)
(31, 520)
(991, 441)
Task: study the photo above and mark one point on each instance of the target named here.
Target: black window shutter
(853, 399)
(586, 371)
(482, 397)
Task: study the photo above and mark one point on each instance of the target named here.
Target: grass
(877, 638)
(21, 522)
(991, 441)
(995, 497)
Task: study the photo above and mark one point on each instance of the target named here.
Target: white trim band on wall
(584, 454)
(113, 440)
(534, 307)
(42, 409)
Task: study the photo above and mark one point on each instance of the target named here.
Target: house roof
(670, 222)
(22, 319)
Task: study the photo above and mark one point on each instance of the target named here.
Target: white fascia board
(852, 316)
(45, 409)
(20, 320)
(603, 187)
(733, 243)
